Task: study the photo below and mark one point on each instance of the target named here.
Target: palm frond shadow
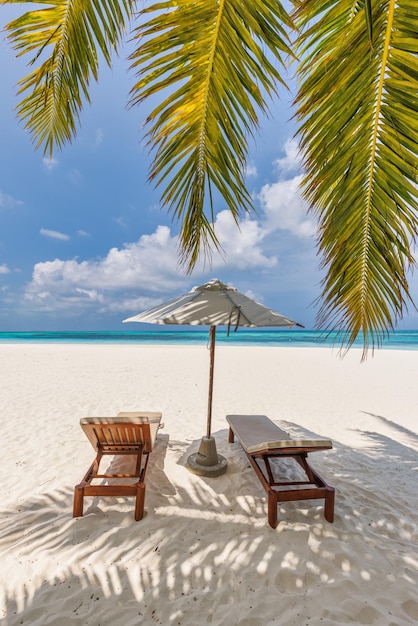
(396, 427)
(205, 547)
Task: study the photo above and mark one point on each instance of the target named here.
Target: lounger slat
(124, 435)
(263, 442)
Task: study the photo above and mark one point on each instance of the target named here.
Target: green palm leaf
(70, 36)
(358, 104)
(212, 64)
(211, 56)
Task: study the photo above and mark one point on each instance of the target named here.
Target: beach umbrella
(212, 304)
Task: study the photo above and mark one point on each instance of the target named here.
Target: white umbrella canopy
(212, 304)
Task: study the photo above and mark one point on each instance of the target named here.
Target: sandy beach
(204, 552)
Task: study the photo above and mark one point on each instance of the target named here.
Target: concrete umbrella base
(207, 462)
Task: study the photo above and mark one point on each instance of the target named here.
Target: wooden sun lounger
(263, 441)
(130, 434)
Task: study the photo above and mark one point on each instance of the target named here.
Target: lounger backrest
(119, 434)
(154, 420)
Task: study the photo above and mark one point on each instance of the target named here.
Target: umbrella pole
(207, 462)
(211, 370)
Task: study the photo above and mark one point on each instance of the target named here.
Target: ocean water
(400, 340)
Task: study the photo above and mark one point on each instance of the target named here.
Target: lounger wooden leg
(329, 505)
(78, 501)
(231, 436)
(272, 508)
(140, 500)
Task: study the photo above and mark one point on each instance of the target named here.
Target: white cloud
(292, 161)
(76, 177)
(285, 209)
(150, 264)
(99, 137)
(4, 269)
(82, 233)
(90, 294)
(120, 221)
(133, 305)
(54, 234)
(143, 273)
(250, 170)
(8, 202)
(49, 163)
(241, 247)
(148, 267)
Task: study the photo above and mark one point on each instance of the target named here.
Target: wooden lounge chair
(129, 434)
(263, 442)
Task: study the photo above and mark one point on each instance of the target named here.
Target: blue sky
(84, 242)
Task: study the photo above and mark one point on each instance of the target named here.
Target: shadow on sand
(204, 553)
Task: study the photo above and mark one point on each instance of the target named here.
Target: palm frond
(216, 58)
(358, 105)
(70, 35)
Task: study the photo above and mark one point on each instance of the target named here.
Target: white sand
(204, 552)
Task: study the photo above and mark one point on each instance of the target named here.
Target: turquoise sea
(400, 340)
